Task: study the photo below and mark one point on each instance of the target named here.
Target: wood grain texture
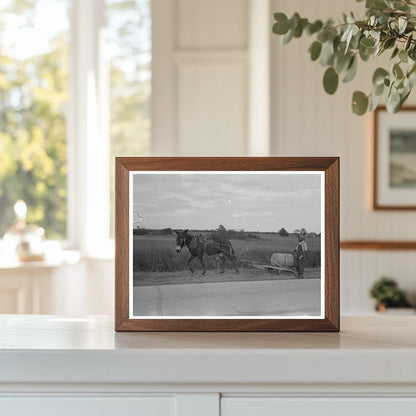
(378, 245)
(121, 244)
(376, 204)
(332, 225)
(330, 165)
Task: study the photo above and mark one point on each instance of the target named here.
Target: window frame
(88, 133)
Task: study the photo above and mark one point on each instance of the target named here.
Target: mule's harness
(194, 243)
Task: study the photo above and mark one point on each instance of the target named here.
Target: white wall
(308, 122)
(201, 83)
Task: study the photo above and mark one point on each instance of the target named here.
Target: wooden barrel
(282, 259)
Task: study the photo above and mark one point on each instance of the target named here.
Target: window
(33, 100)
(75, 88)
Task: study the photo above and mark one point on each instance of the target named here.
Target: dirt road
(294, 297)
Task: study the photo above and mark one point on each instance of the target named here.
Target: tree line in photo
(230, 233)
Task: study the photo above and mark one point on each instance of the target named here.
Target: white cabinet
(39, 287)
(198, 404)
(79, 366)
(269, 406)
(43, 289)
(68, 286)
(87, 406)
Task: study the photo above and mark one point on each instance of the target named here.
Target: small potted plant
(387, 294)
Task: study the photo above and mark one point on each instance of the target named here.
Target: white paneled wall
(212, 103)
(359, 269)
(308, 122)
(203, 67)
(212, 24)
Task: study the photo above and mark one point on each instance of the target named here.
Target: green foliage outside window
(34, 104)
(129, 37)
(33, 99)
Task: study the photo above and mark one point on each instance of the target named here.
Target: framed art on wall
(394, 178)
(227, 244)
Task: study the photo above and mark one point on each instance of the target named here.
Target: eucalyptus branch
(388, 25)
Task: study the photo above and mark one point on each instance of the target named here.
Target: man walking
(300, 252)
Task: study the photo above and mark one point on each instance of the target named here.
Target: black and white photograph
(227, 244)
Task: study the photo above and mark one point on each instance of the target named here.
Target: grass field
(154, 255)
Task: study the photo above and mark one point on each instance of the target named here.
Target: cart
(273, 266)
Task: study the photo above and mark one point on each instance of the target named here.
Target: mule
(215, 245)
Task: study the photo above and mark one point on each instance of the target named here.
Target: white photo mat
(136, 174)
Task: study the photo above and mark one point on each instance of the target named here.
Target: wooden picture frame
(394, 184)
(130, 171)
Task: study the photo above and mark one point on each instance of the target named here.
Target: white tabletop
(51, 332)
(57, 349)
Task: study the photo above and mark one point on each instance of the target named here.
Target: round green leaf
(379, 75)
(314, 27)
(389, 43)
(374, 102)
(327, 54)
(351, 71)
(366, 53)
(404, 95)
(322, 36)
(403, 55)
(288, 37)
(281, 27)
(342, 61)
(359, 103)
(397, 71)
(294, 20)
(315, 50)
(411, 77)
(400, 5)
(395, 52)
(376, 4)
(298, 30)
(378, 90)
(367, 42)
(330, 80)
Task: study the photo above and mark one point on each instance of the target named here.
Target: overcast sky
(254, 202)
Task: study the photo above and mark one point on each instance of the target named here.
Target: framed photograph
(227, 244)
(394, 176)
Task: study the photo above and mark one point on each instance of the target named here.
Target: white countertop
(62, 257)
(53, 349)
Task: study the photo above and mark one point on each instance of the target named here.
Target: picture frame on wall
(394, 164)
(227, 244)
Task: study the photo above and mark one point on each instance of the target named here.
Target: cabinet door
(87, 406)
(272, 406)
(16, 292)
